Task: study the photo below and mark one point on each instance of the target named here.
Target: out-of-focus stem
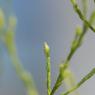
(21, 72)
(88, 76)
(69, 80)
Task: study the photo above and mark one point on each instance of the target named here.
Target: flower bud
(78, 31)
(46, 49)
(63, 69)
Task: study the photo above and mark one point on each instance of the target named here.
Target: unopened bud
(78, 31)
(46, 49)
(63, 68)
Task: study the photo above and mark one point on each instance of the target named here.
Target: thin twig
(78, 11)
(88, 76)
(48, 67)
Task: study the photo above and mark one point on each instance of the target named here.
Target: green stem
(21, 72)
(48, 67)
(84, 6)
(78, 11)
(70, 80)
(71, 53)
(88, 76)
(48, 76)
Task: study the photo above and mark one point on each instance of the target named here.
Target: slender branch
(78, 11)
(71, 53)
(88, 76)
(78, 43)
(21, 72)
(70, 80)
(84, 6)
(48, 67)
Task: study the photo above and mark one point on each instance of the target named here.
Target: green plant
(76, 43)
(64, 71)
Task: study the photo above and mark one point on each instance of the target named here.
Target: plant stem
(88, 76)
(48, 67)
(70, 80)
(71, 53)
(83, 18)
(21, 72)
(48, 76)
